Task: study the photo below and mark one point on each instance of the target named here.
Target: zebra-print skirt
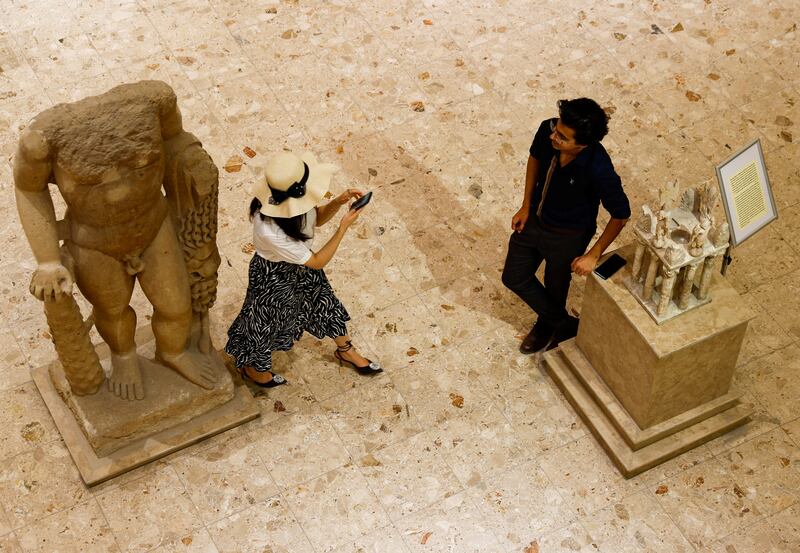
(283, 300)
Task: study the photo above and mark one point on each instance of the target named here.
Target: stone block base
(631, 448)
(110, 423)
(191, 415)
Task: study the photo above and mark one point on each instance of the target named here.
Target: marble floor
(462, 445)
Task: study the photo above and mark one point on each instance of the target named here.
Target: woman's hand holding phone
(348, 195)
(362, 201)
(349, 218)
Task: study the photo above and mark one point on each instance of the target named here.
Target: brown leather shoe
(537, 339)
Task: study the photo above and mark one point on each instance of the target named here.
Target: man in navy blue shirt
(569, 175)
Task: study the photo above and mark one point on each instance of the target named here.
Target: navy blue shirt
(577, 189)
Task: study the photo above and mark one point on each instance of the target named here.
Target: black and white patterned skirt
(283, 300)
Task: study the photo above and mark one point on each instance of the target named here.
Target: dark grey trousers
(526, 251)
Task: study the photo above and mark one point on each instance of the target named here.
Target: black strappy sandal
(369, 369)
(277, 380)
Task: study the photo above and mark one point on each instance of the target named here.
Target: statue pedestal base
(650, 391)
(108, 436)
(632, 449)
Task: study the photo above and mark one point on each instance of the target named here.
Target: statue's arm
(32, 167)
(169, 114)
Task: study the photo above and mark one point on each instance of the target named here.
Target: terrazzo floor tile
(151, 511)
(300, 447)
(757, 263)
(434, 257)
(688, 98)
(397, 14)
(398, 97)
(14, 368)
(768, 465)
(408, 476)
(337, 508)
(711, 37)
(95, 13)
(479, 443)
(740, 72)
(198, 541)
(777, 116)
(132, 40)
(244, 101)
(585, 477)
(450, 79)
(266, 526)
(97, 84)
(651, 57)
(81, 528)
(39, 483)
(407, 41)
(439, 388)
(761, 421)
(9, 544)
(17, 79)
(774, 380)
(758, 537)
(734, 133)
(708, 503)
(787, 525)
(226, 478)
(211, 60)
(786, 225)
(26, 21)
(764, 335)
(65, 61)
(25, 421)
(236, 14)
(777, 52)
(571, 539)
(543, 420)
(455, 524)
(400, 334)
(5, 525)
(464, 308)
(475, 22)
(371, 417)
(792, 429)
(352, 272)
(636, 524)
(521, 504)
(369, 162)
(170, 21)
(385, 540)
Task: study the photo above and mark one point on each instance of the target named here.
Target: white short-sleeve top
(275, 245)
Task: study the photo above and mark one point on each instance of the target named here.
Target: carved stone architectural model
(141, 206)
(677, 247)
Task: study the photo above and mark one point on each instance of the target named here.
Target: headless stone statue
(110, 157)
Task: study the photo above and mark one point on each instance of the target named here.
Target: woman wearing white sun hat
(287, 291)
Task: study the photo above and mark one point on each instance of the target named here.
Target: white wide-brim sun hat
(288, 185)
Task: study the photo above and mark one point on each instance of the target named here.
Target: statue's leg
(165, 282)
(108, 287)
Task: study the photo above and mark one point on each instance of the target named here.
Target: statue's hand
(50, 281)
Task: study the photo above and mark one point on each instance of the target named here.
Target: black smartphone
(610, 266)
(362, 201)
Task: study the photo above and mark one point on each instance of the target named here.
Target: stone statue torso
(113, 207)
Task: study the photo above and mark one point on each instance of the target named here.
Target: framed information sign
(746, 193)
